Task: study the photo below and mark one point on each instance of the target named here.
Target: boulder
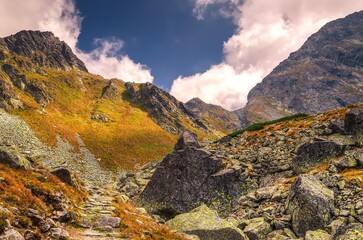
(317, 235)
(277, 235)
(345, 162)
(10, 155)
(310, 204)
(257, 228)
(59, 234)
(354, 124)
(186, 178)
(11, 234)
(65, 176)
(337, 125)
(206, 224)
(107, 221)
(310, 155)
(187, 139)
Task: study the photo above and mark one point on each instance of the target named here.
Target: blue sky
(165, 35)
(217, 50)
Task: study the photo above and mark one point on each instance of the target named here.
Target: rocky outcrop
(44, 49)
(310, 204)
(188, 177)
(165, 109)
(216, 116)
(324, 74)
(206, 224)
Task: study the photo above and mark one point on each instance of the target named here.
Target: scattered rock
(257, 228)
(11, 234)
(317, 235)
(59, 234)
(310, 204)
(205, 223)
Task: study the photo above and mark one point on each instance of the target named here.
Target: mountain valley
(84, 157)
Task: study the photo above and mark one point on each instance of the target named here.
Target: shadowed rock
(310, 204)
(65, 176)
(310, 155)
(188, 177)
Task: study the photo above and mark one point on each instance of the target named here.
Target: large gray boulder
(206, 224)
(310, 204)
(188, 177)
(312, 154)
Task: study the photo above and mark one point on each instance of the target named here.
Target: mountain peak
(44, 49)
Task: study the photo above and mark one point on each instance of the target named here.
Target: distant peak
(44, 49)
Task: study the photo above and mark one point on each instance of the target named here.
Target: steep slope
(43, 82)
(325, 73)
(216, 116)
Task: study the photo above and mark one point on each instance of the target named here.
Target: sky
(216, 50)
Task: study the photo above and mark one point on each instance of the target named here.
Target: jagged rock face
(188, 177)
(324, 74)
(166, 110)
(44, 49)
(216, 115)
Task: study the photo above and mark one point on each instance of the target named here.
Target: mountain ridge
(325, 73)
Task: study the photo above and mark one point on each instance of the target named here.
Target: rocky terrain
(79, 152)
(297, 179)
(43, 82)
(324, 74)
(215, 115)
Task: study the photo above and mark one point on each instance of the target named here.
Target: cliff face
(325, 73)
(43, 48)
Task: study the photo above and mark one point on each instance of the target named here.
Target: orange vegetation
(136, 225)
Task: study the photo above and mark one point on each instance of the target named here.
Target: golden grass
(136, 225)
(129, 140)
(15, 184)
(352, 174)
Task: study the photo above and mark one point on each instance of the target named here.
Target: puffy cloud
(266, 32)
(219, 85)
(104, 60)
(63, 19)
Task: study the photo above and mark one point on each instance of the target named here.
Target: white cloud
(63, 19)
(266, 32)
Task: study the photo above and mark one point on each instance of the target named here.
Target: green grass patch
(261, 125)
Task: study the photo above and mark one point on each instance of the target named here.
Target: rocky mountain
(167, 111)
(294, 179)
(324, 74)
(42, 48)
(215, 115)
(44, 82)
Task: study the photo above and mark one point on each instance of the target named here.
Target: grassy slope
(130, 140)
